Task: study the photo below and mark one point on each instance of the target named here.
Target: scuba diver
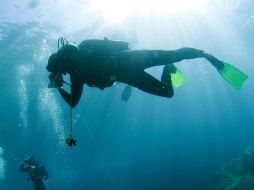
(36, 171)
(101, 63)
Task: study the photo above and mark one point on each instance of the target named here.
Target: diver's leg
(39, 185)
(144, 59)
(148, 83)
(166, 76)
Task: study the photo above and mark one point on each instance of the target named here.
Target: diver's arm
(76, 91)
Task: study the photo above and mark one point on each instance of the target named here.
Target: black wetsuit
(37, 173)
(100, 63)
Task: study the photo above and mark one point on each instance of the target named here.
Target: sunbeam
(118, 10)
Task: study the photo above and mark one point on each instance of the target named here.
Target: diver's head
(63, 59)
(53, 63)
(27, 163)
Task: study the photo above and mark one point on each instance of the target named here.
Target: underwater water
(146, 143)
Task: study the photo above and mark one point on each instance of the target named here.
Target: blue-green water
(147, 143)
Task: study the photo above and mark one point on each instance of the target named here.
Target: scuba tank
(109, 46)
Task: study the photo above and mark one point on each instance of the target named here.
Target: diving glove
(56, 80)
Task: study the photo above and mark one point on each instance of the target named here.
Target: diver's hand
(53, 85)
(56, 80)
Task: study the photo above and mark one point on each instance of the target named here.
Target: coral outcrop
(237, 174)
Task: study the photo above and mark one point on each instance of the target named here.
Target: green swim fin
(233, 75)
(177, 78)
